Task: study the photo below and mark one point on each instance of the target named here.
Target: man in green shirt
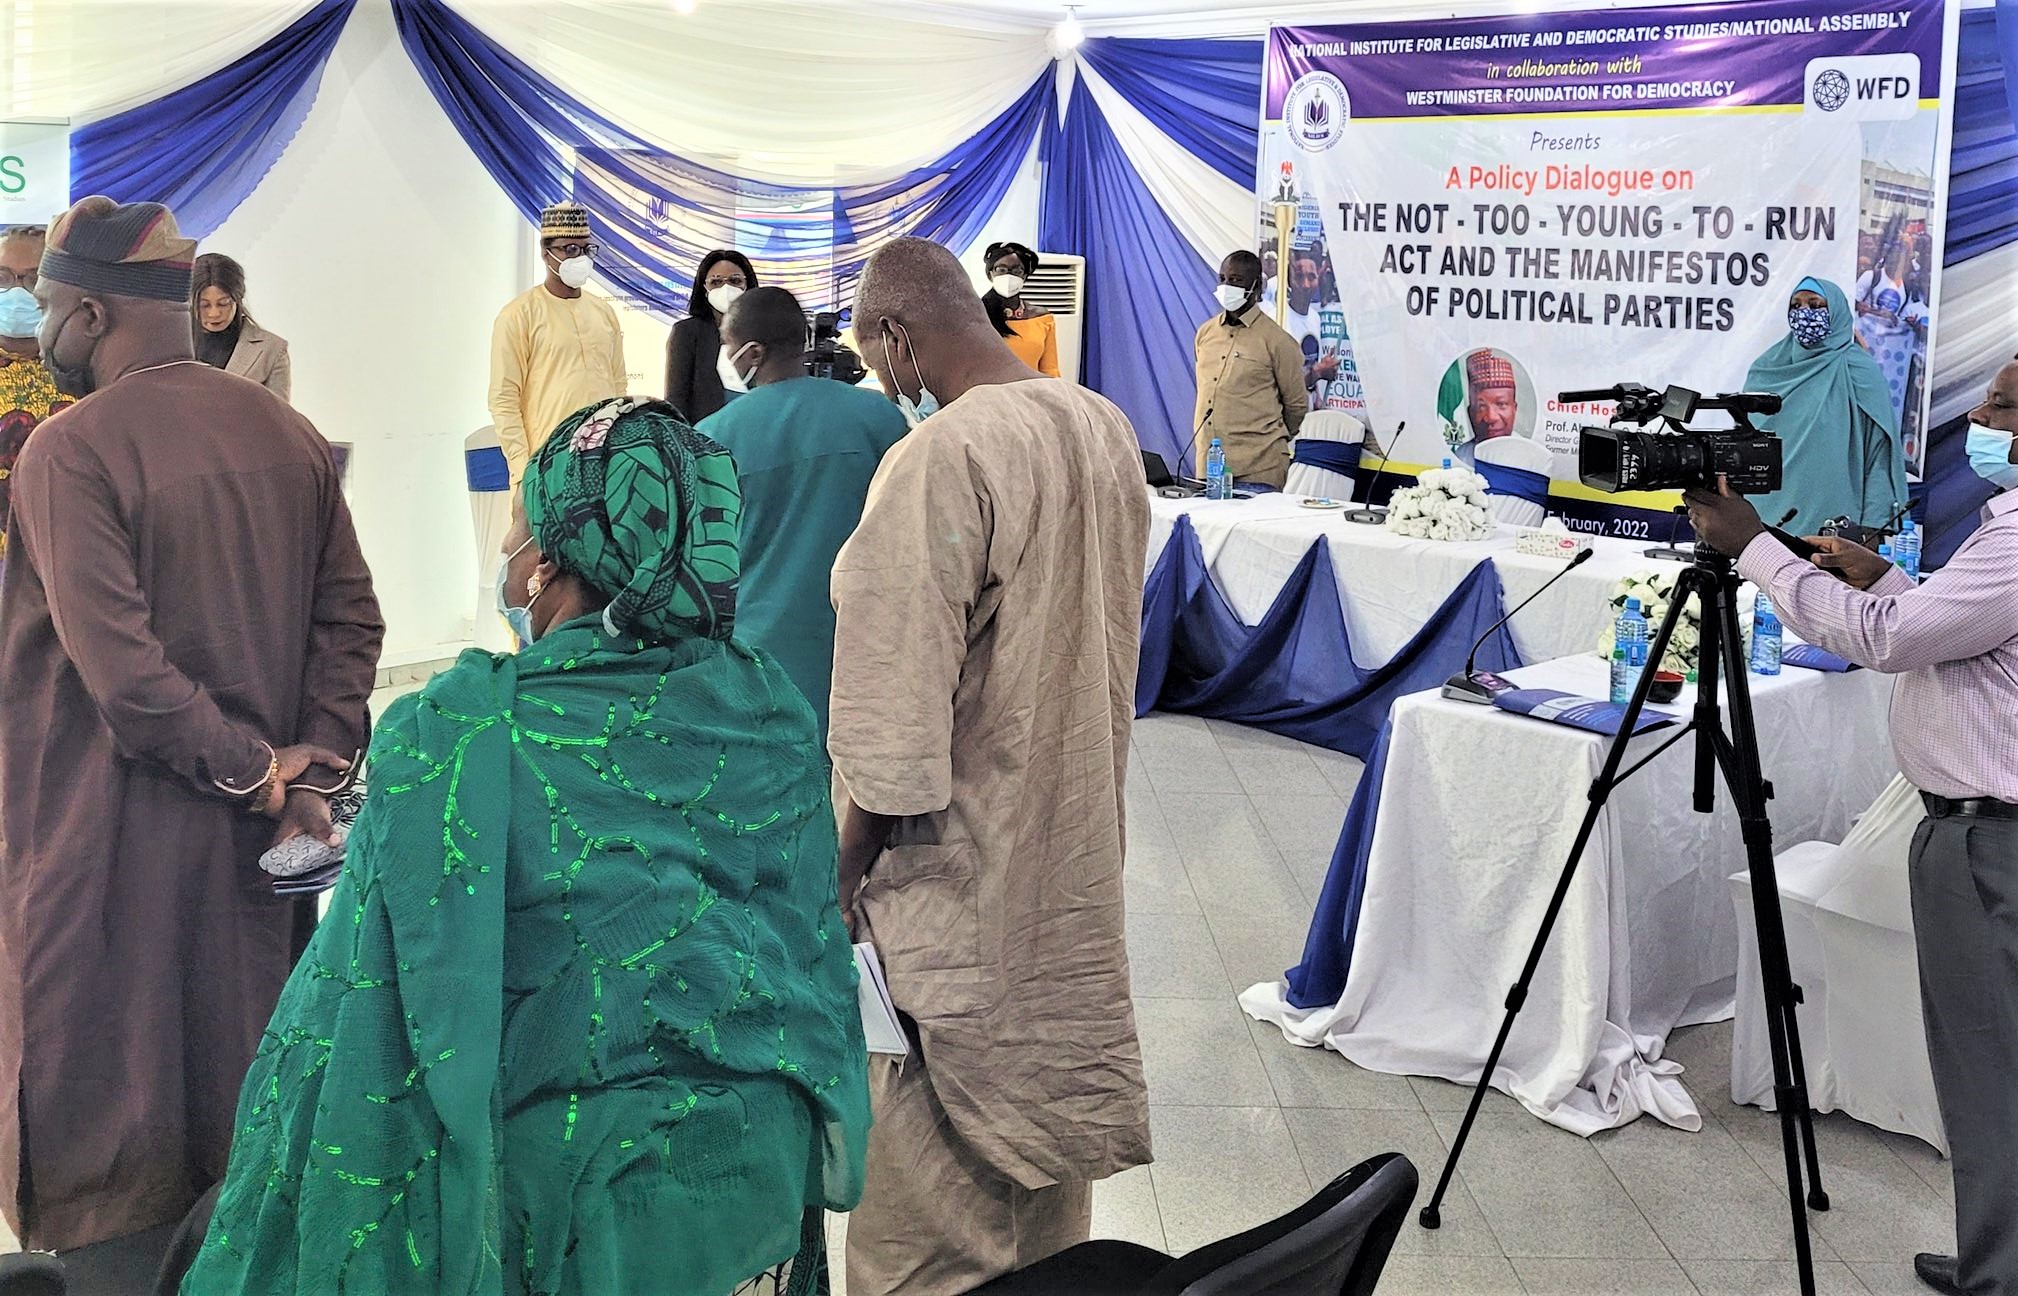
(805, 451)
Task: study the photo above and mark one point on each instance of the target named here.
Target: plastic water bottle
(1218, 482)
(1906, 549)
(1629, 651)
(1765, 638)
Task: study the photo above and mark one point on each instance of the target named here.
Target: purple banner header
(1736, 54)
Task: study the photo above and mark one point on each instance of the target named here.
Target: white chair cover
(1849, 918)
(1308, 479)
(491, 514)
(1515, 452)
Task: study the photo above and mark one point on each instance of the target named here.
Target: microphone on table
(1482, 686)
(1373, 515)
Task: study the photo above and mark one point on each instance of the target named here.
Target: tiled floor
(1230, 833)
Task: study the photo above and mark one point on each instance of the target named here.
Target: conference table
(1295, 619)
(1389, 585)
(1459, 832)
(1272, 614)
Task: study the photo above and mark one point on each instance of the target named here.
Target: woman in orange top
(1029, 329)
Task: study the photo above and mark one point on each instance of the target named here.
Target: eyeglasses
(569, 250)
(735, 280)
(8, 279)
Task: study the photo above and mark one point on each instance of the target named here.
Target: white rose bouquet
(1444, 504)
(1655, 590)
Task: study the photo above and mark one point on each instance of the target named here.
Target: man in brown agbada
(988, 611)
(187, 627)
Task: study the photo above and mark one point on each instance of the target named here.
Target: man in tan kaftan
(989, 607)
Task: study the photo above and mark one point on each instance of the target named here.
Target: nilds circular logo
(1316, 112)
(1831, 89)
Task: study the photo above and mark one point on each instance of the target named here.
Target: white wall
(382, 250)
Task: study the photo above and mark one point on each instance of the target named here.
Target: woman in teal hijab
(582, 1018)
(1838, 432)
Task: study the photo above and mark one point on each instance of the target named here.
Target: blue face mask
(1990, 456)
(520, 619)
(915, 411)
(1810, 324)
(20, 313)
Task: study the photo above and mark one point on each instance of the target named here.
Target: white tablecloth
(1389, 585)
(1477, 814)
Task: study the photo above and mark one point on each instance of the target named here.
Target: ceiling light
(683, 7)
(1069, 35)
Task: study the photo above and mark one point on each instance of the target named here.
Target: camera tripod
(1713, 578)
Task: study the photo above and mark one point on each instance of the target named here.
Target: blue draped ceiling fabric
(1147, 287)
(204, 148)
(658, 213)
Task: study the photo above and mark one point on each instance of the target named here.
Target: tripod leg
(1739, 757)
(1431, 1215)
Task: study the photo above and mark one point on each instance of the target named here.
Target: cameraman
(1954, 642)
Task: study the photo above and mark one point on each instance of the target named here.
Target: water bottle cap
(1632, 605)
(1884, 551)
(1908, 528)
(1215, 440)
(1446, 463)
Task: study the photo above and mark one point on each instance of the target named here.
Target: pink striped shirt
(1952, 641)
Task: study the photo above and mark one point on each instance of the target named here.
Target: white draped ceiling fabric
(789, 93)
(80, 60)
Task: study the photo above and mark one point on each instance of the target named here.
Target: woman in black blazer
(694, 351)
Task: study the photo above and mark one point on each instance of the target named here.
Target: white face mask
(723, 296)
(1007, 285)
(1231, 297)
(574, 272)
(734, 379)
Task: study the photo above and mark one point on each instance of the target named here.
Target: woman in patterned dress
(582, 1018)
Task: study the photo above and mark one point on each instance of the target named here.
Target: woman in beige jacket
(226, 336)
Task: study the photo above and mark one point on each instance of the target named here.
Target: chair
(1335, 1244)
(1516, 471)
(490, 510)
(1849, 918)
(32, 1273)
(1325, 452)
(153, 1260)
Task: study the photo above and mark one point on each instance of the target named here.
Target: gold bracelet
(257, 792)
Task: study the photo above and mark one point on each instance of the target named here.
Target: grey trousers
(1965, 919)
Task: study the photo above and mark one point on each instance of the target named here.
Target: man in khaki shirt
(1250, 380)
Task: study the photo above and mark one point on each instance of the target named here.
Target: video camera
(1630, 456)
(827, 358)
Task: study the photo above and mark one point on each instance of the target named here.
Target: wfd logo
(1316, 112)
(1871, 87)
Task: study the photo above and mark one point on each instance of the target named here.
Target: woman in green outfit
(582, 1018)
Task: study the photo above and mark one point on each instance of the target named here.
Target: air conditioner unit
(1059, 286)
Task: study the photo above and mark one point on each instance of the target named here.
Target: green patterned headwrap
(627, 496)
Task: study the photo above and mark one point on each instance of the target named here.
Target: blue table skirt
(1295, 674)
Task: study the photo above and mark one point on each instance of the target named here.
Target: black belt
(1975, 808)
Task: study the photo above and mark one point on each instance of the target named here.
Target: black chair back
(1335, 1244)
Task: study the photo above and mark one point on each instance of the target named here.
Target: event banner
(1461, 218)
